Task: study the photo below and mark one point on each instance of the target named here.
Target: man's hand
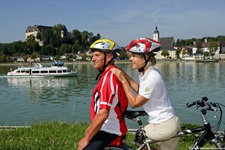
(93, 128)
(83, 143)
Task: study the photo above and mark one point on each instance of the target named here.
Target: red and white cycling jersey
(109, 94)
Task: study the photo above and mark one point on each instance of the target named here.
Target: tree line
(213, 45)
(58, 40)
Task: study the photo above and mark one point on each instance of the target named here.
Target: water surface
(25, 101)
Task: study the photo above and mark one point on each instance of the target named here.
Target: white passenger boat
(57, 69)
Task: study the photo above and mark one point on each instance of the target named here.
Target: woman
(151, 93)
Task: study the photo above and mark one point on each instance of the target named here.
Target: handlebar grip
(204, 109)
(200, 103)
(189, 104)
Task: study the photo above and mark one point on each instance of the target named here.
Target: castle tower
(156, 34)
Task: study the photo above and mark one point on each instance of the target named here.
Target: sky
(118, 20)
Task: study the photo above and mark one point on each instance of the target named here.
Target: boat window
(59, 71)
(44, 71)
(52, 71)
(35, 71)
(27, 71)
(64, 70)
(22, 71)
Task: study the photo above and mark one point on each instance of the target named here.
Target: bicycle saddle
(130, 114)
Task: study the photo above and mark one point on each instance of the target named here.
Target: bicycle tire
(121, 147)
(219, 146)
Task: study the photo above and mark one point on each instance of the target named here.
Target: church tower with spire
(156, 34)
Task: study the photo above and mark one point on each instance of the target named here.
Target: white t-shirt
(152, 87)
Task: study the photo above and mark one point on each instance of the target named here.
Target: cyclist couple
(115, 89)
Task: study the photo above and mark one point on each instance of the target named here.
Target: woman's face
(137, 60)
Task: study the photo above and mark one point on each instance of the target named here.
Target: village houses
(168, 44)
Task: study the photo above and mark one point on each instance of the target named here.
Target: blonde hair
(152, 61)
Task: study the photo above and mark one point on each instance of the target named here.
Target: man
(108, 100)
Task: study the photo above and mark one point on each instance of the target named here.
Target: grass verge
(57, 136)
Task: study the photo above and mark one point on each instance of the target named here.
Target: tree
(47, 50)
(178, 43)
(95, 38)
(220, 38)
(60, 31)
(39, 36)
(65, 48)
(76, 47)
(84, 39)
(165, 53)
(206, 54)
(178, 52)
(47, 34)
(17, 48)
(3, 58)
(199, 47)
(76, 35)
(213, 47)
(123, 53)
(31, 45)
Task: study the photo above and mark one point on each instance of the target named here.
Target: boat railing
(58, 64)
(38, 65)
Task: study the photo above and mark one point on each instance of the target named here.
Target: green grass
(56, 136)
(50, 136)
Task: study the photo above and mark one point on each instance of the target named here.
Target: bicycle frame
(205, 137)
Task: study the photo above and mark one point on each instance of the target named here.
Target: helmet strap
(146, 62)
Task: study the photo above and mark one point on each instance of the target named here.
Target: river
(26, 101)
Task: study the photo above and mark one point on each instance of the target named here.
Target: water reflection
(38, 83)
(43, 89)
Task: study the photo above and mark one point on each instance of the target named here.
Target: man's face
(98, 59)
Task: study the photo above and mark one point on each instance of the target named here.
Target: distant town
(46, 43)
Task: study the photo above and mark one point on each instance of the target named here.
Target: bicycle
(206, 133)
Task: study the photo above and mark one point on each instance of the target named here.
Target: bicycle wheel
(219, 144)
(121, 147)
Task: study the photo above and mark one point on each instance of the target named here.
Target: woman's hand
(119, 73)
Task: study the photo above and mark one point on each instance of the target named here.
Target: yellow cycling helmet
(107, 46)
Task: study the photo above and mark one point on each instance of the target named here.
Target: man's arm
(93, 128)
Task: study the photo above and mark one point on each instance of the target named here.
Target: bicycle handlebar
(203, 103)
(205, 106)
(198, 103)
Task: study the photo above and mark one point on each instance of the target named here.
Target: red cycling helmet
(144, 45)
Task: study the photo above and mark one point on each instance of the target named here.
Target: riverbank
(63, 136)
(117, 62)
(44, 62)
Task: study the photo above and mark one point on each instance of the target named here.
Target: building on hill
(35, 30)
(168, 44)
